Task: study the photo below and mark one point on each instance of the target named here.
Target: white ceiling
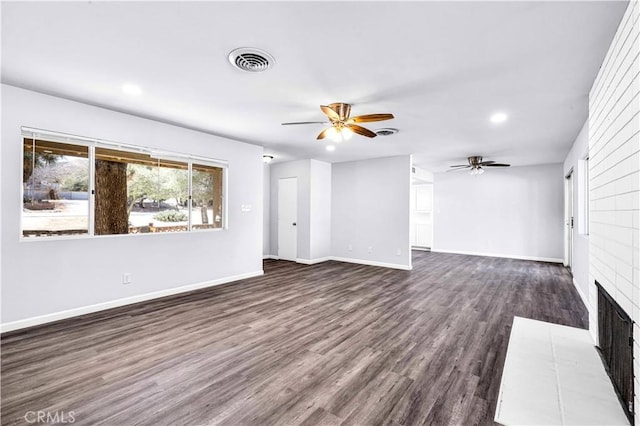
(442, 68)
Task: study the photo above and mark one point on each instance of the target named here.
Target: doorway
(421, 215)
(569, 219)
(287, 219)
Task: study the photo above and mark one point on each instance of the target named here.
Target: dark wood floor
(333, 343)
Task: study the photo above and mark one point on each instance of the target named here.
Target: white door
(424, 198)
(287, 217)
(421, 216)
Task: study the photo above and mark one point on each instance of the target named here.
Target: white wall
(266, 195)
(320, 187)
(511, 212)
(370, 208)
(614, 177)
(45, 277)
(580, 260)
(421, 175)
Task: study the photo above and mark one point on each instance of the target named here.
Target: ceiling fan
(343, 126)
(476, 165)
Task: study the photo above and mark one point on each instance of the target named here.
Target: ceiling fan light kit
(342, 125)
(338, 134)
(475, 171)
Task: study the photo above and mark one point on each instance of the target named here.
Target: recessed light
(498, 117)
(267, 159)
(131, 89)
(330, 148)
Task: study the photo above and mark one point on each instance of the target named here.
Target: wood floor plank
(332, 343)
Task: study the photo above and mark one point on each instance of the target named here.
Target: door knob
(294, 224)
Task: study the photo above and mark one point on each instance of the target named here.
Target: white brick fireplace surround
(614, 179)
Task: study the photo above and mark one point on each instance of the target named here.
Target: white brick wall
(614, 178)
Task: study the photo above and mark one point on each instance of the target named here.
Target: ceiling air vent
(251, 59)
(387, 131)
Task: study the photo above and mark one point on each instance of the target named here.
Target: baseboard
(57, 316)
(313, 261)
(582, 296)
(347, 260)
(298, 260)
(506, 256)
(371, 263)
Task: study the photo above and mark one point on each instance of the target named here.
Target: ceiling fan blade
(360, 130)
(370, 117)
(486, 163)
(461, 165)
(498, 165)
(333, 116)
(458, 169)
(306, 122)
(323, 133)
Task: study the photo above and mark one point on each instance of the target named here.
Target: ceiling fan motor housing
(475, 160)
(342, 109)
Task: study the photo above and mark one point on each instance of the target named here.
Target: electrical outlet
(126, 278)
(369, 249)
(399, 252)
(350, 247)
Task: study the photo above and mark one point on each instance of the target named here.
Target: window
(136, 193)
(55, 179)
(135, 190)
(206, 187)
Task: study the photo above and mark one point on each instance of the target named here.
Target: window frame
(224, 224)
(92, 144)
(34, 137)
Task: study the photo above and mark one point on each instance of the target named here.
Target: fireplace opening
(615, 341)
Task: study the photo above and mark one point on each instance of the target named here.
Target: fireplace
(615, 341)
